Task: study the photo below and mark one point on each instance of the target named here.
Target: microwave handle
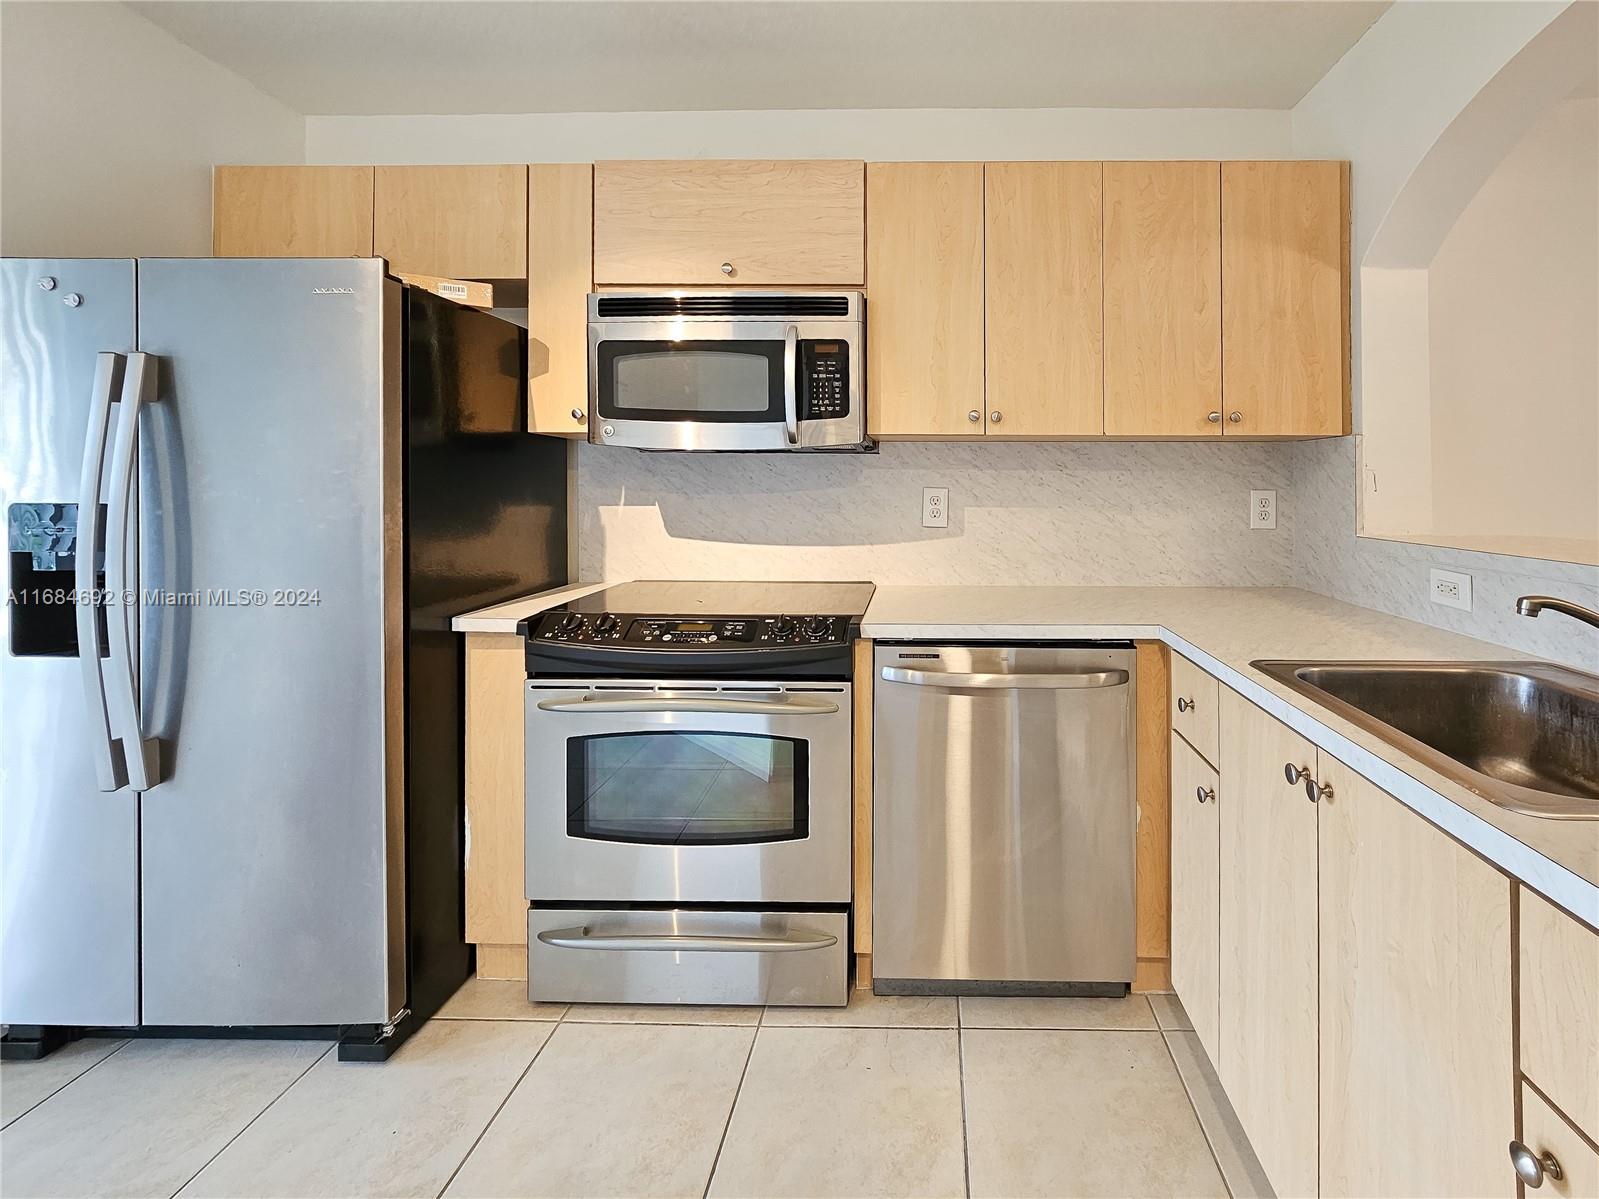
(791, 383)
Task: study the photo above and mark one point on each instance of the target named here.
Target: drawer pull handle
(1184, 705)
(1531, 1168)
(1295, 774)
(1205, 794)
(583, 938)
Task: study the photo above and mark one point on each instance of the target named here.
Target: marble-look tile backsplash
(1019, 513)
(1392, 576)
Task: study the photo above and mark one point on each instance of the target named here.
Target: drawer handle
(582, 938)
(1074, 680)
(1295, 774)
(1205, 794)
(1531, 1168)
(1184, 705)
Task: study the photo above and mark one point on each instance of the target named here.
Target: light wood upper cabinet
(1268, 954)
(1043, 299)
(778, 223)
(1560, 1009)
(1417, 1079)
(924, 245)
(291, 212)
(1163, 299)
(1285, 310)
(466, 222)
(1196, 796)
(560, 217)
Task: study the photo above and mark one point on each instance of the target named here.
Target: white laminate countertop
(1223, 629)
(502, 618)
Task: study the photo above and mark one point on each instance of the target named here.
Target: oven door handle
(582, 938)
(1073, 680)
(709, 707)
(791, 384)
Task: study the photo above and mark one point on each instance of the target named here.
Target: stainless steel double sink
(1523, 735)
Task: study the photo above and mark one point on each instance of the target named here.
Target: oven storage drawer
(688, 955)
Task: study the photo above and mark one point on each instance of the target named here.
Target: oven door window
(677, 788)
(716, 381)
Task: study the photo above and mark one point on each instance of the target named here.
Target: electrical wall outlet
(1450, 588)
(935, 507)
(1262, 509)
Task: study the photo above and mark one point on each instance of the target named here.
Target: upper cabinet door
(460, 222)
(1163, 299)
(1285, 312)
(291, 212)
(1042, 256)
(735, 222)
(924, 343)
(560, 215)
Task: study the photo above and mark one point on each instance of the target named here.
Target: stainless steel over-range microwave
(727, 370)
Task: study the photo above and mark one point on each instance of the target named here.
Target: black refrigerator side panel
(485, 522)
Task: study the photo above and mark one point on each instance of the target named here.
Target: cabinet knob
(579, 415)
(727, 268)
(1204, 794)
(974, 416)
(996, 416)
(1531, 1168)
(1234, 417)
(1184, 705)
(1316, 792)
(1295, 774)
(1213, 417)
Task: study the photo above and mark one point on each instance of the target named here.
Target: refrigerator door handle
(122, 694)
(108, 767)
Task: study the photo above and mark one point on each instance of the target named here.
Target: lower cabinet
(1195, 876)
(1268, 961)
(1417, 1081)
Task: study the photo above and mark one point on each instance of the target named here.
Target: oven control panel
(673, 632)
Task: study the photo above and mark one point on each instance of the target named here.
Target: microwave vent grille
(723, 305)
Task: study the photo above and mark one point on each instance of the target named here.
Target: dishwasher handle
(1062, 681)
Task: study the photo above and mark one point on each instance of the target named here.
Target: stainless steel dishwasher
(1004, 819)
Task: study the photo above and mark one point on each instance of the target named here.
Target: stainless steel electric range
(688, 793)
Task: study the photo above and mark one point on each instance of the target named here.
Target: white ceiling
(345, 57)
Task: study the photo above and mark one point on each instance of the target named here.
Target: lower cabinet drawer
(1560, 1009)
(688, 955)
(1557, 1148)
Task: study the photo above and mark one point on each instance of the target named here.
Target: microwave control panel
(824, 380)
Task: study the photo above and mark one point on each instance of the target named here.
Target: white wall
(879, 134)
(110, 127)
(1383, 106)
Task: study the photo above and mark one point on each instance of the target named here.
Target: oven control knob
(570, 623)
(815, 626)
(606, 624)
(782, 627)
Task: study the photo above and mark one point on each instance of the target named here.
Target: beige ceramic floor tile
(866, 1010)
(147, 1118)
(661, 1013)
(613, 1109)
(1080, 1113)
(25, 1084)
(497, 999)
(1169, 1012)
(398, 1128)
(1240, 1168)
(1131, 1012)
(846, 1112)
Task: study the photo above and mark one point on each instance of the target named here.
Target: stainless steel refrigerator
(258, 489)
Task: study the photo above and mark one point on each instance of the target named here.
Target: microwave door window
(716, 381)
(682, 788)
